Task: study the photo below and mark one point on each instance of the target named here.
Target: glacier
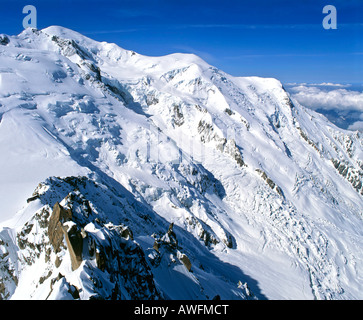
(125, 176)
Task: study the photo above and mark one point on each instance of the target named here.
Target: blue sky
(284, 39)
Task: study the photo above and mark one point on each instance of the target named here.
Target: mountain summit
(132, 177)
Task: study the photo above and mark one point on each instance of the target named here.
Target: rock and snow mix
(133, 177)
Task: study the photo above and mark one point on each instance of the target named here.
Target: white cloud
(340, 105)
(323, 84)
(329, 84)
(322, 97)
(358, 125)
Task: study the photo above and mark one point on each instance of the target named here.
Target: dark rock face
(55, 228)
(353, 175)
(270, 183)
(74, 241)
(125, 262)
(207, 133)
(173, 241)
(8, 279)
(57, 231)
(168, 244)
(32, 199)
(178, 116)
(4, 39)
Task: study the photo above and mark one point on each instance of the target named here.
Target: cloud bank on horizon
(342, 104)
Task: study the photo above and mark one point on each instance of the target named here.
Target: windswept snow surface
(263, 192)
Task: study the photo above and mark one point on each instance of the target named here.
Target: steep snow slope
(227, 186)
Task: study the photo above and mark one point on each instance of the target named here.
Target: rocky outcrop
(61, 227)
(231, 149)
(227, 146)
(32, 199)
(55, 227)
(185, 260)
(4, 39)
(270, 183)
(70, 47)
(308, 140)
(124, 261)
(178, 115)
(73, 237)
(74, 240)
(170, 236)
(353, 175)
(8, 272)
(168, 246)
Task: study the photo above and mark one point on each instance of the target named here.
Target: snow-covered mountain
(131, 177)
